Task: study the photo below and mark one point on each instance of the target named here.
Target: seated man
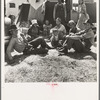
(61, 33)
(20, 44)
(81, 41)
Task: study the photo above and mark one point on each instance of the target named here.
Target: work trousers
(77, 45)
(32, 48)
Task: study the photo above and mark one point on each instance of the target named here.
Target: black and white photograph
(50, 41)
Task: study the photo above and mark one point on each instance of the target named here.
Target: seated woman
(61, 32)
(46, 28)
(34, 30)
(19, 43)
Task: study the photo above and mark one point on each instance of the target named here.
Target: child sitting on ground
(46, 28)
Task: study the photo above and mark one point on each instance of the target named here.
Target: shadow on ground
(79, 56)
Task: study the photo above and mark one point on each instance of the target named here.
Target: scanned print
(50, 41)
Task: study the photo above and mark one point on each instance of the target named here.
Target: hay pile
(53, 68)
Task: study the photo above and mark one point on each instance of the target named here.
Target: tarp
(27, 12)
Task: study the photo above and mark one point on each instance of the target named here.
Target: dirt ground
(74, 67)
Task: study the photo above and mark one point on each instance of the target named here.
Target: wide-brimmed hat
(34, 21)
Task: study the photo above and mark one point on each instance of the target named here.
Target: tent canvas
(28, 12)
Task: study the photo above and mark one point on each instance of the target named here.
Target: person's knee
(40, 39)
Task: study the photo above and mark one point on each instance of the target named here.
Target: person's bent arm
(10, 48)
(75, 37)
(25, 40)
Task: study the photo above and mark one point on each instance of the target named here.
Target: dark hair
(59, 19)
(13, 27)
(10, 16)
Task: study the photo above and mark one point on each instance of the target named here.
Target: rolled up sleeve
(87, 35)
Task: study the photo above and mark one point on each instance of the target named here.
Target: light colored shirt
(89, 35)
(61, 29)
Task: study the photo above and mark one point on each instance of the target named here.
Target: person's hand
(71, 34)
(67, 36)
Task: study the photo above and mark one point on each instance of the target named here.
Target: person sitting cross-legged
(80, 41)
(19, 43)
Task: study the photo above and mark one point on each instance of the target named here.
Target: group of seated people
(30, 40)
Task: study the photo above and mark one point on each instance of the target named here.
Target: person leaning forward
(81, 41)
(19, 43)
